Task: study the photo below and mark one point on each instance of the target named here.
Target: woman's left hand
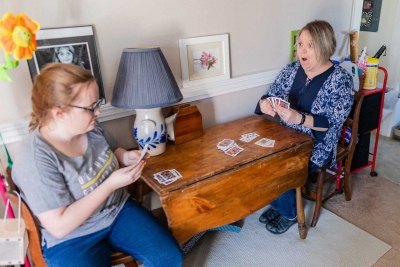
(288, 114)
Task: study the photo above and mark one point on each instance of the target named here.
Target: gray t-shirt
(48, 179)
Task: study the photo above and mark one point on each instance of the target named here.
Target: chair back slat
(358, 100)
(348, 123)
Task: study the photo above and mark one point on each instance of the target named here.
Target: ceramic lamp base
(149, 128)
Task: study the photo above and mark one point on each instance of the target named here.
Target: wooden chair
(344, 157)
(34, 237)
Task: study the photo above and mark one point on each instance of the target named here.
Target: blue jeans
(285, 204)
(135, 231)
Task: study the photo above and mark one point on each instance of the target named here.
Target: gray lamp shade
(144, 80)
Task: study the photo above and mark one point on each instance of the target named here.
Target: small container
(336, 59)
(353, 70)
(371, 73)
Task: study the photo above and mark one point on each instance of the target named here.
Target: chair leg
(347, 190)
(318, 200)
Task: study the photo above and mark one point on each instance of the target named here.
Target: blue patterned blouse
(334, 101)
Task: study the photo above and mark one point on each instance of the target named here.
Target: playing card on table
(167, 177)
(233, 151)
(265, 142)
(248, 137)
(225, 144)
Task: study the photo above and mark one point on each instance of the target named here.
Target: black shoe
(280, 225)
(269, 216)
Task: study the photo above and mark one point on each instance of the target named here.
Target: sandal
(280, 225)
(269, 216)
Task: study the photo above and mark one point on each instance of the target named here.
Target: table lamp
(145, 83)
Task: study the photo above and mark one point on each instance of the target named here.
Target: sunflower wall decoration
(17, 37)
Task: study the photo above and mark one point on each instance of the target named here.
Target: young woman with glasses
(73, 177)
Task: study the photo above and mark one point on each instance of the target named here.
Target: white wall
(259, 33)
(389, 35)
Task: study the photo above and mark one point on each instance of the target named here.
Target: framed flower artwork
(204, 59)
(73, 45)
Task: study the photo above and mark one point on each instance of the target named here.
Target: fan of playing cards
(275, 101)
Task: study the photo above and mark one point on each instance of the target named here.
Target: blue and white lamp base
(149, 128)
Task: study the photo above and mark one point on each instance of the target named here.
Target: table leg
(300, 214)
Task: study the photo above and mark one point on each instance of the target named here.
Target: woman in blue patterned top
(320, 96)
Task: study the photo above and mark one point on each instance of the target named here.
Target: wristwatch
(303, 119)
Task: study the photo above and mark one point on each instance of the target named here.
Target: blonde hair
(323, 38)
(55, 86)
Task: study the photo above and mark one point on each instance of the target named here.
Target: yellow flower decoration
(17, 35)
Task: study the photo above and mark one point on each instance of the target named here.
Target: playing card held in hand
(274, 101)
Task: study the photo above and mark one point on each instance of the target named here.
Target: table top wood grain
(200, 158)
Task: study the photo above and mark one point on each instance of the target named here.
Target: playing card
(270, 143)
(144, 150)
(167, 174)
(167, 177)
(269, 101)
(233, 151)
(282, 103)
(159, 178)
(274, 101)
(177, 174)
(248, 137)
(225, 144)
(265, 142)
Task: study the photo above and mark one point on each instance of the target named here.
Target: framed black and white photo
(74, 45)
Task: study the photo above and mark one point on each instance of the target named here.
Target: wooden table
(217, 189)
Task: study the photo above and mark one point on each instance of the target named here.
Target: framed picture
(74, 45)
(293, 47)
(204, 59)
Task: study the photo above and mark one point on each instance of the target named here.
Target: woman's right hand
(266, 108)
(125, 176)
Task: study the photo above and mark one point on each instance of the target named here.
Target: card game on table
(228, 146)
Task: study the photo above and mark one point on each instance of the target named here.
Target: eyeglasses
(93, 109)
(309, 46)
